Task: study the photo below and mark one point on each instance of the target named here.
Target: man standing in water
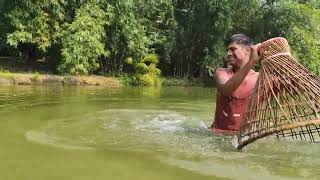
(235, 84)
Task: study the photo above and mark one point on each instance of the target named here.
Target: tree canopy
(95, 36)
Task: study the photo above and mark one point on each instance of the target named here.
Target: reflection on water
(167, 125)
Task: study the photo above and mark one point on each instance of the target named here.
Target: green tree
(203, 26)
(35, 22)
(34, 26)
(158, 19)
(86, 36)
(299, 23)
(125, 36)
(82, 40)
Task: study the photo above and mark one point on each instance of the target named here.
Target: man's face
(237, 55)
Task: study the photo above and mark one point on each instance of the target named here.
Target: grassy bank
(10, 78)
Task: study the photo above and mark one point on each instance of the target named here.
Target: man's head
(238, 50)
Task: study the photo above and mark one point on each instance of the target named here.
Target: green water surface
(98, 133)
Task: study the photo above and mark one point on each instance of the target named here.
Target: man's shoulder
(223, 71)
(252, 76)
(222, 75)
(253, 72)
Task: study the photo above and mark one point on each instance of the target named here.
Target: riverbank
(8, 78)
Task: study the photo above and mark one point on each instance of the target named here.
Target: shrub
(146, 72)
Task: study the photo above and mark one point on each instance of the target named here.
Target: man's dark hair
(239, 39)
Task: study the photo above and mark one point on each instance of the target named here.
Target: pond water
(93, 133)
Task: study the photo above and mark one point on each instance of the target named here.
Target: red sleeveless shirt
(230, 110)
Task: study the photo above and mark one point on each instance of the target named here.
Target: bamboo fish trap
(286, 99)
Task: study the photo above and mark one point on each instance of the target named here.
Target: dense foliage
(94, 36)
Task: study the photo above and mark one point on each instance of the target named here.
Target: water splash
(132, 129)
(234, 141)
(160, 122)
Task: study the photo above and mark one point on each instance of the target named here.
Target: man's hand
(254, 57)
